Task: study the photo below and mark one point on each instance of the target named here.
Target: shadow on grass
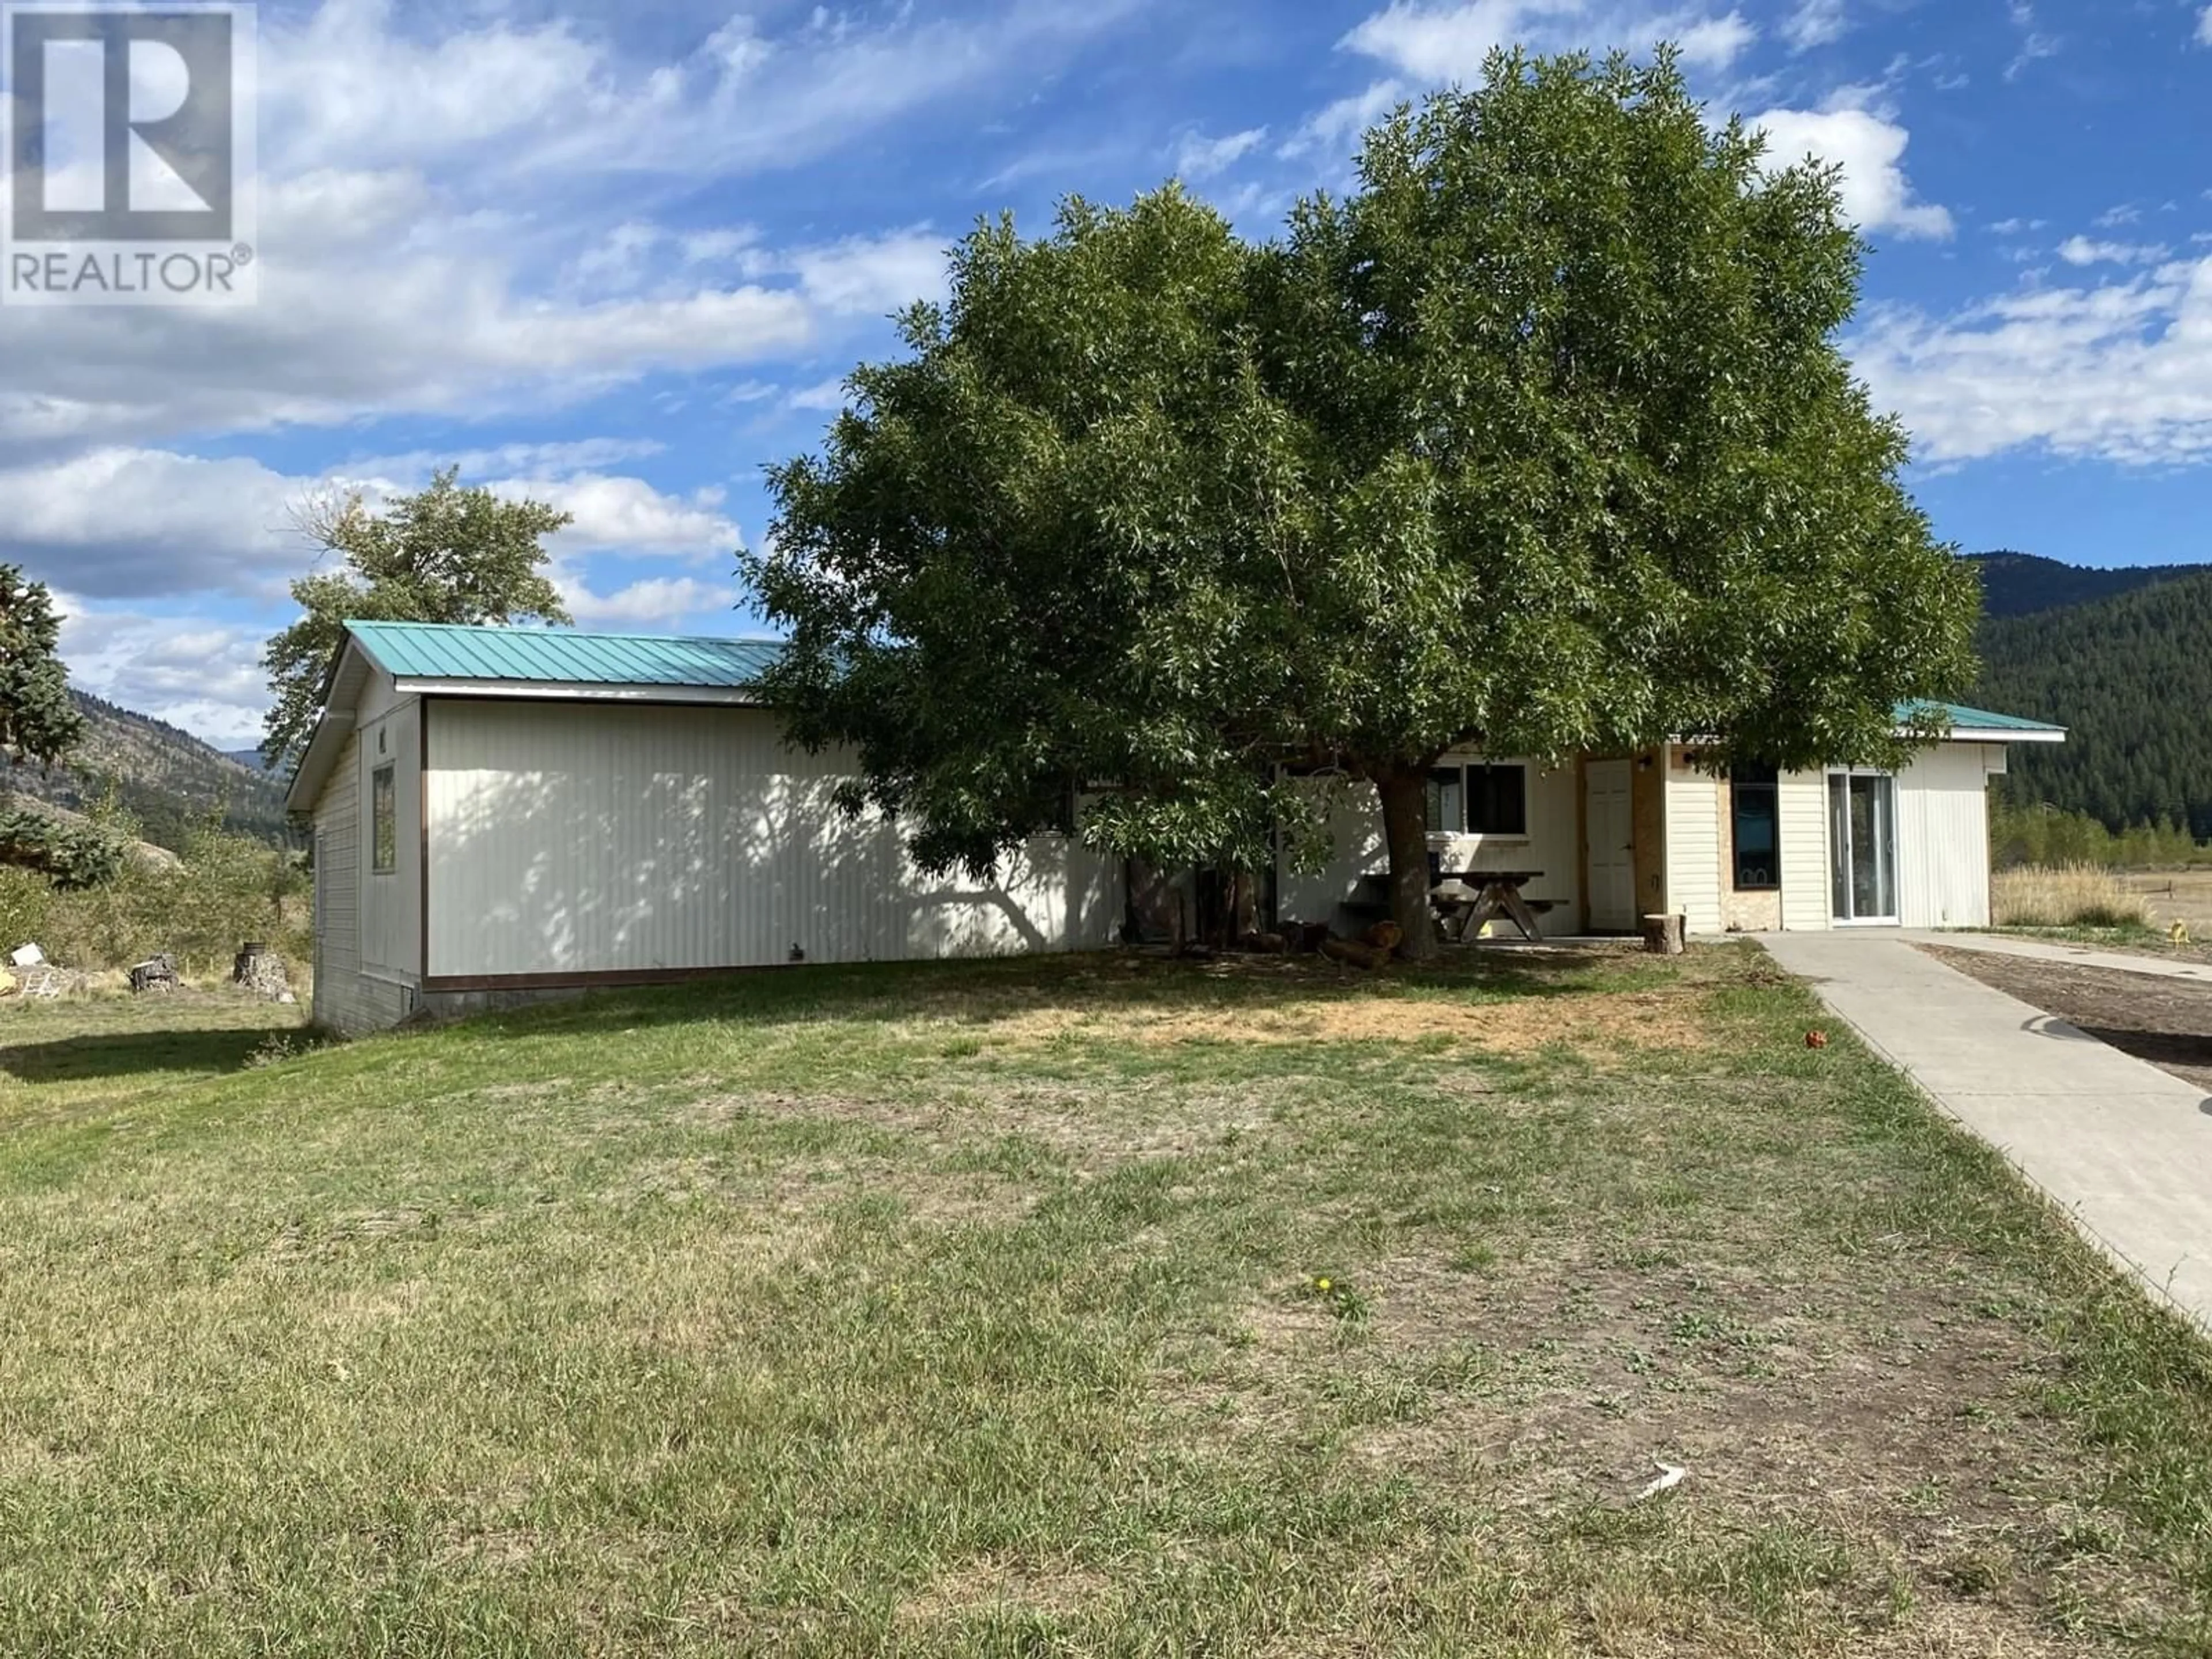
(981, 993)
(126, 1054)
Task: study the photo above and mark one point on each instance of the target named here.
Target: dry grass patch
(977, 1310)
(1595, 1023)
(2071, 896)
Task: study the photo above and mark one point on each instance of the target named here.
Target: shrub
(2065, 895)
(231, 888)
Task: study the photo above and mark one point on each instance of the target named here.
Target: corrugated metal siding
(1553, 845)
(346, 999)
(582, 840)
(1943, 838)
(1803, 801)
(1693, 845)
(392, 904)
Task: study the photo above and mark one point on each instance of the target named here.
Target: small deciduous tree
(1539, 442)
(448, 554)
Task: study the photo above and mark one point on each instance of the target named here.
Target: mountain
(2127, 669)
(164, 777)
(2023, 585)
(249, 758)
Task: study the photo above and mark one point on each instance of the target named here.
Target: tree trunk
(1406, 832)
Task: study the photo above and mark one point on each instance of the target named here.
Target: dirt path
(2166, 1022)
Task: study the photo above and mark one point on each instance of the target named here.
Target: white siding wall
(346, 999)
(1357, 852)
(1553, 845)
(1943, 838)
(1943, 843)
(568, 839)
(1693, 844)
(391, 904)
(1803, 804)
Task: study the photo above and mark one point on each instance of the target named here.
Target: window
(1498, 800)
(1480, 800)
(1447, 801)
(1757, 826)
(384, 822)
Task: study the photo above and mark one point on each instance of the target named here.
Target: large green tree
(1539, 441)
(449, 554)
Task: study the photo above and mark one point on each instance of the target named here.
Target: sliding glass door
(1863, 845)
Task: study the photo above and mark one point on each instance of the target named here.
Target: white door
(1863, 846)
(1612, 847)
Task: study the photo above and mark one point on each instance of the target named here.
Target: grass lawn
(973, 1308)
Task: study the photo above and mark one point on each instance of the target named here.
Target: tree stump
(1663, 935)
(157, 974)
(261, 971)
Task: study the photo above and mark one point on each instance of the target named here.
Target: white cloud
(657, 604)
(823, 396)
(2118, 371)
(2204, 26)
(345, 86)
(132, 523)
(382, 303)
(1870, 149)
(1199, 157)
(436, 190)
(1432, 43)
(871, 276)
(1335, 125)
(2035, 44)
(2081, 251)
(2113, 218)
(1815, 23)
(2015, 226)
(121, 523)
(196, 672)
(629, 516)
(1436, 43)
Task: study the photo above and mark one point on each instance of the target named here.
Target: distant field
(2178, 896)
(1093, 1306)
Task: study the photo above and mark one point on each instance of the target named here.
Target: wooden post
(1663, 935)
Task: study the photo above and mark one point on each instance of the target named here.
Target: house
(502, 814)
(1620, 836)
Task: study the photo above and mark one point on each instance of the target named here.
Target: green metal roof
(1963, 719)
(445, 651)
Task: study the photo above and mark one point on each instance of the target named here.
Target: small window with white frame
(384, 821)
(1483, 798)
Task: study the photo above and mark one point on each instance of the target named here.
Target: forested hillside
(2130, 676)
(2022, 584)
(164, 777)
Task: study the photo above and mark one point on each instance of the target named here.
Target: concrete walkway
(2073, 955)
(2126, 1148)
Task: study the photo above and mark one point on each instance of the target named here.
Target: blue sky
(619, 257)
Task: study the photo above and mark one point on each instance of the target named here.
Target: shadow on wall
(654, 839)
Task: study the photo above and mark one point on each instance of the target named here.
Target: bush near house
(2043, 834)
(231, 888)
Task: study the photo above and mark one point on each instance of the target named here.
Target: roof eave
(577, 691)
(2004, 734)
(341, 698)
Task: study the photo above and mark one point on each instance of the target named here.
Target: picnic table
(1467, 902)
